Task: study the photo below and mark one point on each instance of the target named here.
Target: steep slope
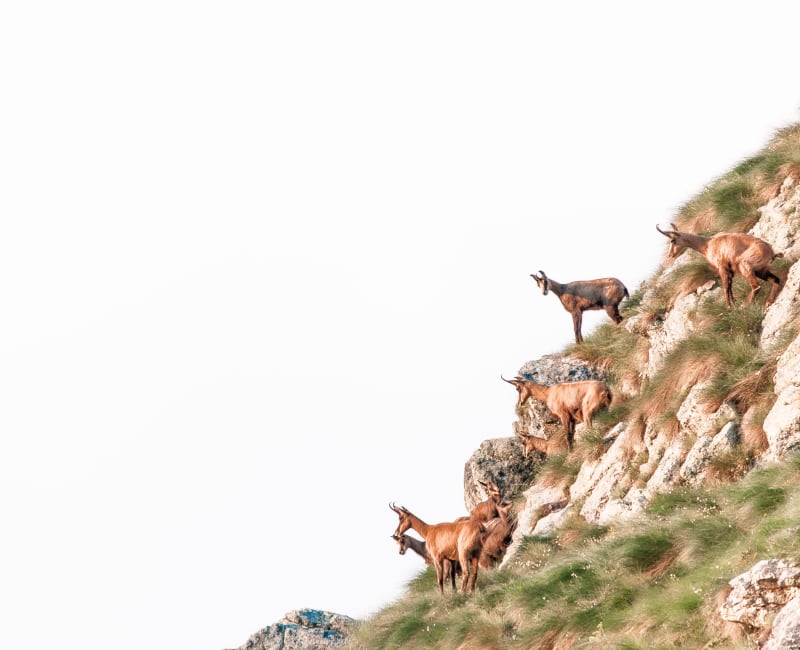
(685, 483)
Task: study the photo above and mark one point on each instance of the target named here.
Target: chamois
(499, 537)
(458, 541)
(570, 402)
(405, 542)
(547, 446)
(487, 510)
(585, 295)
(728, 254)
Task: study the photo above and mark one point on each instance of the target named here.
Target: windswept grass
(650, 582)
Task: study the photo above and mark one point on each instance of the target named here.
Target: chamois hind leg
(750, 277)
(774, 280)
(613, 312)
(577, 321)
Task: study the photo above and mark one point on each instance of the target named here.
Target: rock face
(770, 587)
(500, 460)
(305, 629)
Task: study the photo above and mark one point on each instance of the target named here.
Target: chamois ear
(674, 227)
(395, 537)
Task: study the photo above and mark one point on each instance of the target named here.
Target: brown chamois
(487, 510)
(405, 542)
(585, 295)
(499, 536)
(458, 541)
(570, 402)
(546, 446)
(728, 254)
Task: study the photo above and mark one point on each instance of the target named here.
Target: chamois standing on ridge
(728, 254)
(458, 541)
(570, 402)
(585, 295)
(405, 542)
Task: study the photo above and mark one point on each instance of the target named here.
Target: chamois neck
(416, 545)
(417, 524)
(538, 391)
(697, 242)
(556, 287)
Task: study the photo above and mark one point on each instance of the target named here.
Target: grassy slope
(651, 583)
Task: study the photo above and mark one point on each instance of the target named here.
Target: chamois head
(402, 542)
(491, 489)
(541, 281)
(521, 385)
(405, 520)
(676, 245)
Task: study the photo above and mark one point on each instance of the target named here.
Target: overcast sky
(263, 263)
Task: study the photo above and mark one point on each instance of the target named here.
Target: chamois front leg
(726, 279)
(577, 319)
(569, 427)
(439, 566)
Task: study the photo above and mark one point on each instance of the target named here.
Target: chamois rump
(728, 254)
(585, 295)
(458, 541)
(570, 402)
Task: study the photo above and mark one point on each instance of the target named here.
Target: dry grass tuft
(750, 391)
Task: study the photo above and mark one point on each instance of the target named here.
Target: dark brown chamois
(727, 254)
(570, 402)
(585, 295)
(458, 541)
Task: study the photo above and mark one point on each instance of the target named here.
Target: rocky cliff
(682, 416)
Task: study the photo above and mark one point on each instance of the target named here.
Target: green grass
(652, 579)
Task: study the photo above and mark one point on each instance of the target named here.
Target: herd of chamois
(481, 539)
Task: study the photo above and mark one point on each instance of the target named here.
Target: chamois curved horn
(394, 507)
(666, 234)
(545, 283)
(508, 380)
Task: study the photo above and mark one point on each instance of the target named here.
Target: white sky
(263, 263)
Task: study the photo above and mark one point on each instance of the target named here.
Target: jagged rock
(780, 219)
(693, 470)
(549, 524)
(760, 592)
(782, 315)
(501, 460)
(785, 633)
(694, 415)
(537, 499)
(305, 629)
(678, 324)
(782, 424)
